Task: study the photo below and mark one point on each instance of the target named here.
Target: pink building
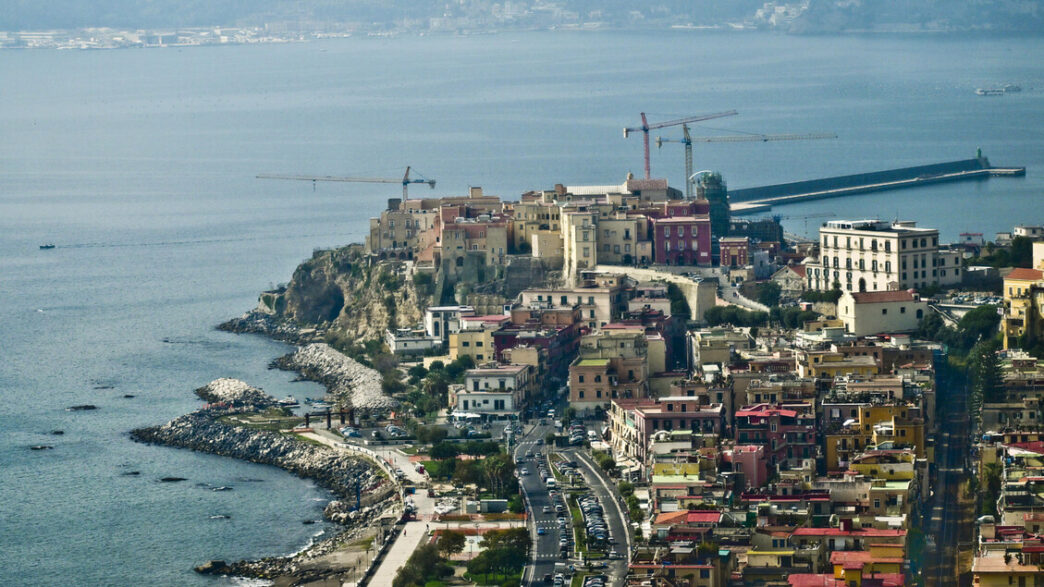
(750, 460)
(682, 240)
(787, 433)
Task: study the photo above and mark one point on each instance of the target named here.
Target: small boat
(990, 91)
(1012, 88)
(47, 246)
(289, 402)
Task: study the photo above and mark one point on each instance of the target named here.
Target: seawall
(758, 198)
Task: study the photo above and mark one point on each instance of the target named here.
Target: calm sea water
(139, 166)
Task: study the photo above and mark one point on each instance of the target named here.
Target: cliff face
(343, 290)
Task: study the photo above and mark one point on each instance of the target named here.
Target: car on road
(523, 471)
(547, 509)
(541, 531)
(548, 578)
(614, 555)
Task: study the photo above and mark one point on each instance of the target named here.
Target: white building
(501, 389)
(872, 255)
(876, 312)
(405, 341)
(442, 321)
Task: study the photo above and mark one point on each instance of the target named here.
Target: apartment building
(872, 255)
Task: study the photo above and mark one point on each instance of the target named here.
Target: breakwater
(212, 429)
(759, 199)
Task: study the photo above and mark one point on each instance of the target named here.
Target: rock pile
(331, 469)
(355, 385)
(256, 322)
(234, 392)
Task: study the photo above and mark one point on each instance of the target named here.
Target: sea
(140, 167)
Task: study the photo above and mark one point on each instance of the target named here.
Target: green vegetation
(633, 509)
(604, 460)
(792, 317)
(451, 542)
(1018, 254)
(505, 555)
(978, 324)
(769, 293)
(988, 499)
(735, 316)
(831, 296)
(679, 305)
(423, 565)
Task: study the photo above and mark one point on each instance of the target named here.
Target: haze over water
(140, 165)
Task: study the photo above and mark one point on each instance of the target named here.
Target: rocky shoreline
(353, 384)
(205, 431)
(257, 322)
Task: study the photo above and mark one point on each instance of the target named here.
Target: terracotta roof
(878, 297)
(799, 269)
(1026, 274)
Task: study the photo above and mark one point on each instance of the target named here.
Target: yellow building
(829, 364)
(995, 568)
(874, 425)
(475, 337)
(1023, 304)
(617, 239)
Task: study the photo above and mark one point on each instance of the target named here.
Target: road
(950, 522)
(619, 524)
(546, 553)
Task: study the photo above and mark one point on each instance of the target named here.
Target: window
(580, 378)
(884, 311)
(888, 246)
(598, 378)
(902, 309)
(666, 231)
(581, 394)
(465, 343)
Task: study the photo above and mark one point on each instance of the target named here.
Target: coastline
(211, 429)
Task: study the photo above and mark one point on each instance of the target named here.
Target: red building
(682, 240)
(787, 434)
(735, 251)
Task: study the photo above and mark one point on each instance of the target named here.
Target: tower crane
(689, 140)
(405, 181)
(646, 127)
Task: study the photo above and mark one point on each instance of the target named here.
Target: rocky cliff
(345, 291)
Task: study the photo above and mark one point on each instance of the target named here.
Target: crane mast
(646, 127)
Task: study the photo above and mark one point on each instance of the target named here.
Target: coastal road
(619, 524)
(545, 552)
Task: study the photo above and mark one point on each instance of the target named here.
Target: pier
(760, 199)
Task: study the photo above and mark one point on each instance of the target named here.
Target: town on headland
(621, 384)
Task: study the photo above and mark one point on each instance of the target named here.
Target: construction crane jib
(747, 138)
(405, 181)
(646, 127)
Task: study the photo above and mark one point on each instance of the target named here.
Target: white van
(551, 483)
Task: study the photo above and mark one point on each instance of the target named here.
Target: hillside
(830, 16)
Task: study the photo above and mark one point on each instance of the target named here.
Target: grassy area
(272, 423)
(363, 544)
(579, 530)
(493, 578)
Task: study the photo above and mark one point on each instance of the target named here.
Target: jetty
(760, 199)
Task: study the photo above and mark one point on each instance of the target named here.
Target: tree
(985, 371)
(423, 565)
(443, 450)
(417, 371)
(451, 542)
(769, 293)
